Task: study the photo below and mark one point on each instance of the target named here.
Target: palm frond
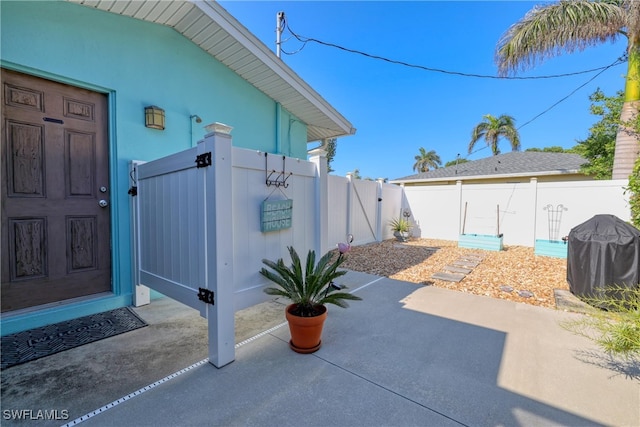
(566, 26)
(492, 129)
(338, 298)
(309, 287)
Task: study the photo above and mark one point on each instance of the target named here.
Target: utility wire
(618, 61)
(305, 40)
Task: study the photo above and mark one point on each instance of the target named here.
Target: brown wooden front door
(55, 173)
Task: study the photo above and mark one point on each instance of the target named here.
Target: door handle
(103, 203)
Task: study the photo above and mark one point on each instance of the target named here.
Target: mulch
(514, 274)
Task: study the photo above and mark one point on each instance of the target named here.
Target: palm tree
(492, 129)
(426, 160)
(571, 26)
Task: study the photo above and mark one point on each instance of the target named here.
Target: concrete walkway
(405, 355)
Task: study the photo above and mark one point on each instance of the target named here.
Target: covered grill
(603, 252)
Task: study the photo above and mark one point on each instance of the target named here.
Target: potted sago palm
(309, 288)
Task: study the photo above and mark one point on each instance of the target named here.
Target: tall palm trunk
(627, 147)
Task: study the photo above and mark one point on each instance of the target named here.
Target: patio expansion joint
(387, 389)
(161, 381)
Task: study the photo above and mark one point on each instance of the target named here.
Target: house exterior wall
(138, 64)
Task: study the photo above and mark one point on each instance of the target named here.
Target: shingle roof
(516, 163)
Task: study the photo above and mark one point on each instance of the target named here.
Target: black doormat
(40, 342)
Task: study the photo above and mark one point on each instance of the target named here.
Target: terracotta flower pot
(306, 332)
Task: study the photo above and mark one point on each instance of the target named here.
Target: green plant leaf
(309, 287)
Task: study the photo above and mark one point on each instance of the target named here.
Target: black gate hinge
(206, 295)
(203, 160)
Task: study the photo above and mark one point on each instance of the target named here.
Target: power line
(305, 40)
(616, 62)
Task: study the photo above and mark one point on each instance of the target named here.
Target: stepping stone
(471, 260)
(456, 269)
(463, 263)
(449, 277)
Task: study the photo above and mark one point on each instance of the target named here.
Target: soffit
(214, 30)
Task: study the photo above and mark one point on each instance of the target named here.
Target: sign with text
(276, 215)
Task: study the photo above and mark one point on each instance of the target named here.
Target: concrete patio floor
(405, 355)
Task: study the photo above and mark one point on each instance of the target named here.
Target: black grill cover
(603, 251)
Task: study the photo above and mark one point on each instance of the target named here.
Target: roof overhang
(214, 30)
(485, 177)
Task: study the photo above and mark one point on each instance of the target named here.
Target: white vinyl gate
(364, 211)
(194, 220)
(362, 208)
(180, 235)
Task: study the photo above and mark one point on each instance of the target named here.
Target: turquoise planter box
(480, 241)
(552, 248)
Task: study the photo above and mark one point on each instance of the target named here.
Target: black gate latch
(206, 295)
(203, 160)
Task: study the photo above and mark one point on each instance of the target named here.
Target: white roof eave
(206, 23)
(485, 177)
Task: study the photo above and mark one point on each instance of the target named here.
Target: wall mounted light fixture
(154, 117)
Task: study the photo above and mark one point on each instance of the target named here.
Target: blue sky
(397, 109)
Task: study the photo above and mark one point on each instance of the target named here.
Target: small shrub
(634, 196)
(617, 329)
(400, 224)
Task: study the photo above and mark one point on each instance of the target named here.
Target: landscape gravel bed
(514, 273)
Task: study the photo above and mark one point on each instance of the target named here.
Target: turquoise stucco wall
(138, 64)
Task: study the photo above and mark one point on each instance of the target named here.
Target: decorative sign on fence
(276, 215)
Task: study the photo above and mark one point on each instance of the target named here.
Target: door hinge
(203, 160)
(206, 295)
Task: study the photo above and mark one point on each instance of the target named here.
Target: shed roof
(513, 164)
(213, 29)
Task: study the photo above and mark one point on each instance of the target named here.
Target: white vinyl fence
(199, 227)
(181, 236)
(361, 208)
(522, 212)
(205, 218)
